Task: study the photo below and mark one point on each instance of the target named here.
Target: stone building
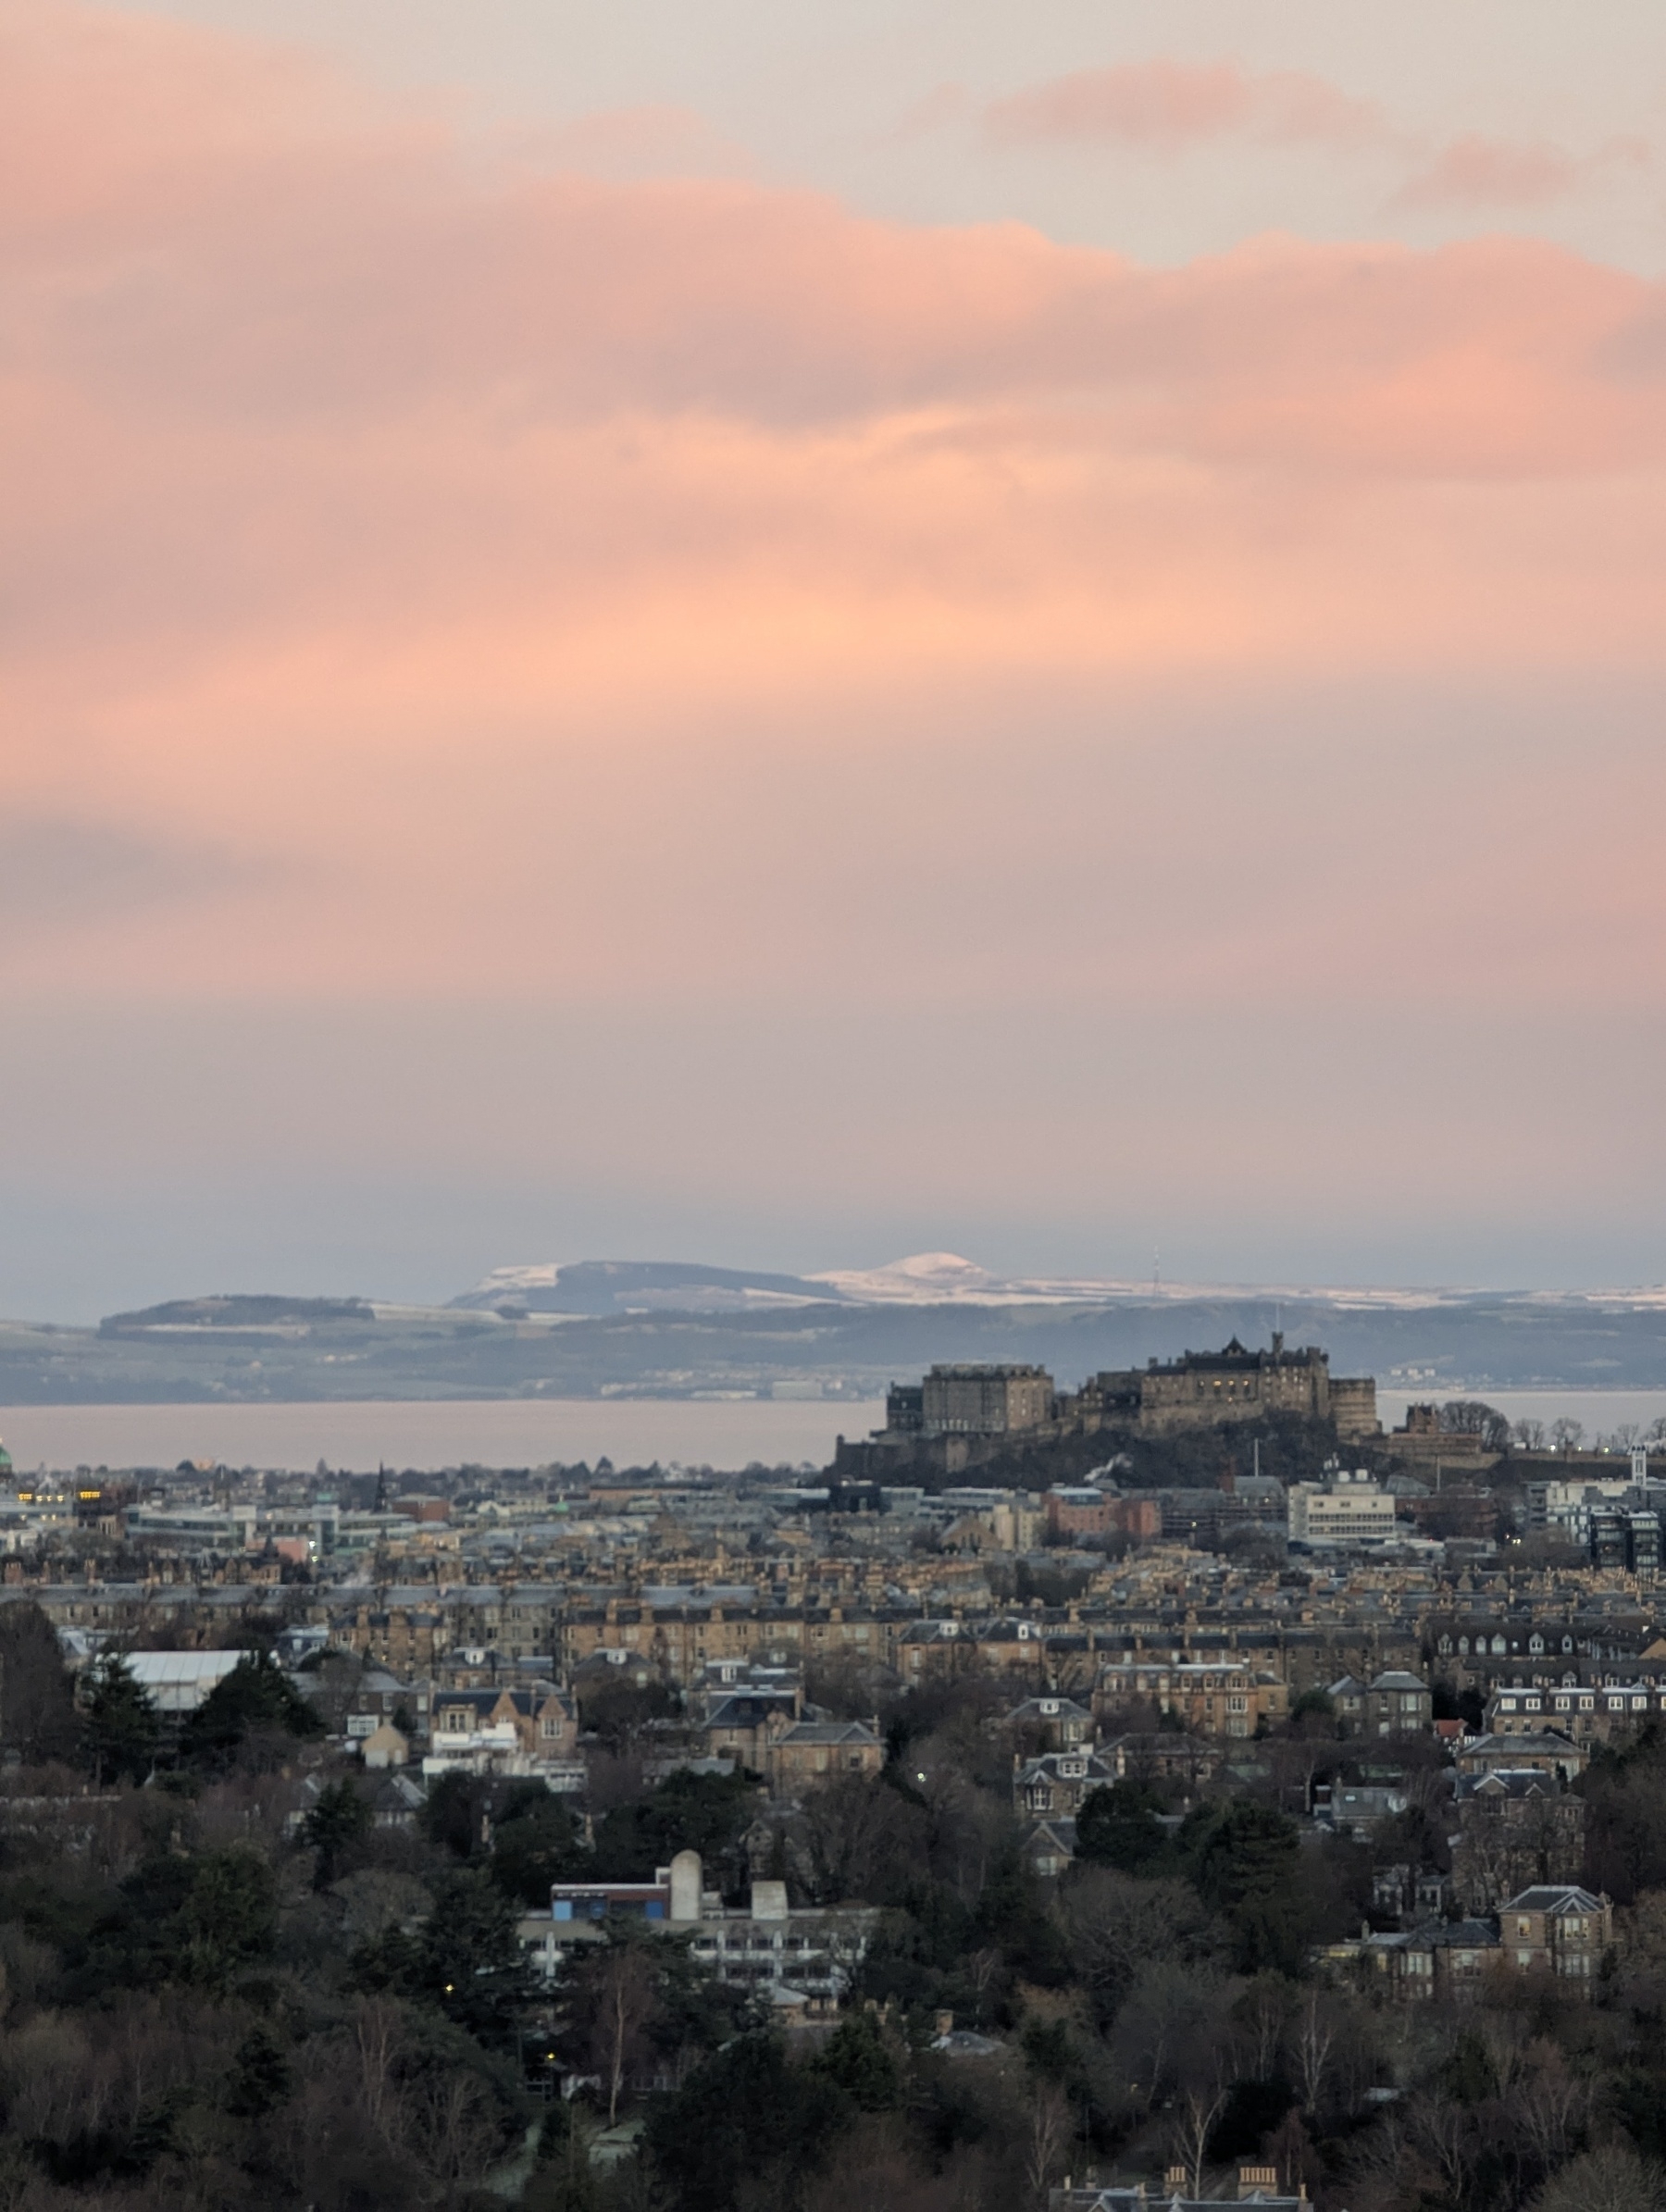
(1200, 1389)
(1058, 1782)
(1389, 1704)
(985, 1401)
(1558, 1926)
(1226, 1698)
(1055, 1723)
(818, 1751)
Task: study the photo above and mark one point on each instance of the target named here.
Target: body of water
(359, 1437)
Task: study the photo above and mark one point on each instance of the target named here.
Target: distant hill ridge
(257, 1311)
(601, 1286)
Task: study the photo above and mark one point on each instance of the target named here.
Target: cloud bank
(560, 589)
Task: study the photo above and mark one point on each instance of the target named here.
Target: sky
(785, 634)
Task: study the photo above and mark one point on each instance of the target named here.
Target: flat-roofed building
(1344, 1511)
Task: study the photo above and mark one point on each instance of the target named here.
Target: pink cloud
(532, 581)
(1172, 105)
(1474, 172)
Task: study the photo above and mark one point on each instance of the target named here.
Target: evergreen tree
(1117, 1827)
(122, 1732)
(1245, 1859)
(38, 1720)
(337, 1823)
(746, 2121)
(254, 1706)
(538, 1843)
(857, 2058)
(260, 2076)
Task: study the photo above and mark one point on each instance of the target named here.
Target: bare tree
(1314, 2038)
(1444, 2133)
(1612, 2178)
(855, 1830)
(621, 2000)
(1194, 2124)
(1262, 2011)
(375, 2041)
(1552, 2105)
(1050, 2128)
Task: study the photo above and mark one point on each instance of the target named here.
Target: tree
(620, 1709)
(742, 2118)
(1612, 2178)
(1316, 1706)
(686, 1812)
(1474, 1417)
(457, 1814)
(859, 1831)
(1117, 1827)
(255, 1709)
(336, 1825)
(857, 2058)
(1117, 1928)
(260, 2077)
(1045, 2139)
(38, 1720)
(614, 2005)
(539, 1845)
(1193, 2124)
(122, 1732)
(466, 1958)
(1245, 1864)
(230, 1917)
(1315, 2035)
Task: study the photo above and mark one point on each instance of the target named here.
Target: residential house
(1049, 1846)
(1389, 1704)
(1163, 1755)
(1058, 1724)
(818, 1751)
(1560, 1927)
(1058, 1782)
(1546, 1751)
(1356, 1808)
(504, 1730)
